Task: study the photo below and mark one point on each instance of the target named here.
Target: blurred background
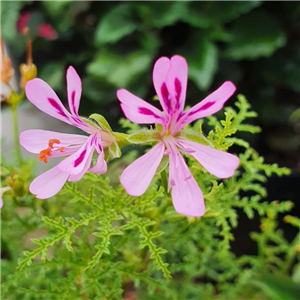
(115, 44)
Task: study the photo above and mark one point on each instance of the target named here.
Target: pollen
(52, 142)
(44, 154)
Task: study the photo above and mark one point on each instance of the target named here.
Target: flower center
(44, 154)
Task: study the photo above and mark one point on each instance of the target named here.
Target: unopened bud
(28, 72)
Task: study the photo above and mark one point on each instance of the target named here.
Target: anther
(44, 154)
(52, 142)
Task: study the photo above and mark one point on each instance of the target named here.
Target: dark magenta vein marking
(57, 107)
(148, 112)
(178, 89)
(80, 158)
(165, 95)
(204, 107)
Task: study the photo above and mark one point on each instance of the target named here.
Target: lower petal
(186, 194)
(80, 160)
(49, 183)
(137, 176)
(218, 163)
(101, 166)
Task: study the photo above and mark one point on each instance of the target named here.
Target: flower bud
(28, 72)
(6, 69)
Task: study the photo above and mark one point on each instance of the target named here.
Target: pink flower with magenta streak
(78, 148)
(170, 82)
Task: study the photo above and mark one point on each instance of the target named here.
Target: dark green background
(115, 44)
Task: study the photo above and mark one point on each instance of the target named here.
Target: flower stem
(16, 134)
(164, 181)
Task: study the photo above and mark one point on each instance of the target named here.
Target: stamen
(44, 154)
(53, 141)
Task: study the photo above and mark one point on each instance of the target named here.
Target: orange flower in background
(7, 70)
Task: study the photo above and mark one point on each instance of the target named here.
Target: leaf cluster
(94, 241)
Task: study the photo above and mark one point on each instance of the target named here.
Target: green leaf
(53, 74)
(168, 13)
(296, 274)
(55, 7)
(119, 70)
(163, 164)
(10, 11)
(193, 136)
(205, 14)
(115, 25)
(114, 150)
(102, 122)
(278, 287)
(121, 139)
(255, 35)
(203, 62)
(144, 136)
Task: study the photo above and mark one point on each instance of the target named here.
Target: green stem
(16, 134)
(164, 181)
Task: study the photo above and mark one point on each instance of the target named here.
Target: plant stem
(16, 134)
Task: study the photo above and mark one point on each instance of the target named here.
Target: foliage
(93, 241)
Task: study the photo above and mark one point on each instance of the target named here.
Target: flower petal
(159, 77)
(74, 88)
(77, 177)
(176, 81)
(218, 163)
(80, 160)
(36, 140)
(40, 94)
(186, 194)
(138, 110)
(101, 166)
(137, 176)
(210, 105)
(48, 184)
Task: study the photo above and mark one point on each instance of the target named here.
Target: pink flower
(78, 148)
(170, 82)
(44, 30)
